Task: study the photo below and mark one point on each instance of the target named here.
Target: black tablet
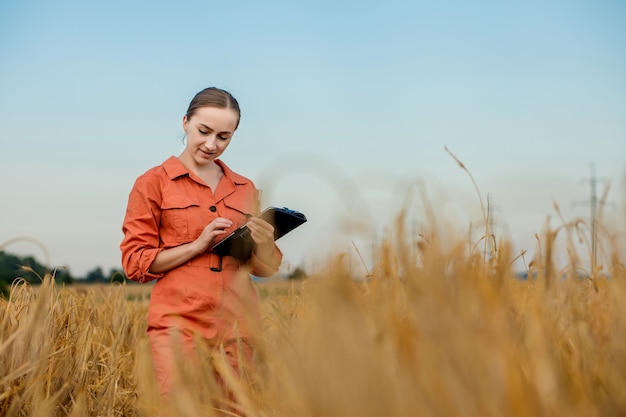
(239, 243)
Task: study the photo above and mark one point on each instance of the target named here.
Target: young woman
(176, 212)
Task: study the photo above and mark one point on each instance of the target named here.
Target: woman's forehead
(216, 118)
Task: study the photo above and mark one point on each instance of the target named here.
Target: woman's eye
(203, 132)
(223, 137)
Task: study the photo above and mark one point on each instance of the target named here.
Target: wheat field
(429, 330)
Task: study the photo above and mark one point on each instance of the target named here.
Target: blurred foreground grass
(427, 332)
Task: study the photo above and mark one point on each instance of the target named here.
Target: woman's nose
(210, 144)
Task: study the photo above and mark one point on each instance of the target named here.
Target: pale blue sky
(344, 103)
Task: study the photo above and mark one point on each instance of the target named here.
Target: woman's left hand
(263, 235)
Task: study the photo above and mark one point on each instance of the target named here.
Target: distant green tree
(96, 275)
(298, 273)
(4, 290)
(118, 275)
(63, 276)
(10, 267)
(26, 267)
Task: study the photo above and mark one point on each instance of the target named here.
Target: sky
(347, 110)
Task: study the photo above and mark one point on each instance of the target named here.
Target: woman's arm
(171, 258)
(266, 257)
(142, 258)
(263, 235)
(140, 245)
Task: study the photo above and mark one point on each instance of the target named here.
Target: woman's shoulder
(158, 174)
(169, 167)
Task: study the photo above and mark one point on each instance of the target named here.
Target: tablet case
(239, 243)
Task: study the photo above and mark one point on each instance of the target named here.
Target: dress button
(213, 209)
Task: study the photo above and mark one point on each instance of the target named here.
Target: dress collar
(174, 169)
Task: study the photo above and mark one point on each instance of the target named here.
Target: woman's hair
(214, 97)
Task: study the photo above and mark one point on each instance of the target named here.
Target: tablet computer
(239, 243)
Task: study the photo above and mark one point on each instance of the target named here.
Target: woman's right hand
(211, 231)
(171, 258)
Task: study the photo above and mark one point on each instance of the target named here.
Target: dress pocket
(177, 214)
(240, 208)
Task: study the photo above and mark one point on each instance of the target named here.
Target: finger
(221, 223)
(261, 224)
(262, 236)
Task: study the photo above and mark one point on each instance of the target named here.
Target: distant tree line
(14, 267)
(29, 269)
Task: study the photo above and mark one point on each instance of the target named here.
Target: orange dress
(167, 207)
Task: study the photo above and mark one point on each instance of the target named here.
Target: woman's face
(209, 131)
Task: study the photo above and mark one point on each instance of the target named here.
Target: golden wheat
(428, 331)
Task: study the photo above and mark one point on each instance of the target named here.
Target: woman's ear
(185, 123)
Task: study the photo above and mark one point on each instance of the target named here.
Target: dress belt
(215, 262)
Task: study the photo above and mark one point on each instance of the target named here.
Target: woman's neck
(210, 173)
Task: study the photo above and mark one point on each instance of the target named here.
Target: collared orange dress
(169, 206)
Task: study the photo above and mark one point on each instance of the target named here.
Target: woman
(176, 212)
